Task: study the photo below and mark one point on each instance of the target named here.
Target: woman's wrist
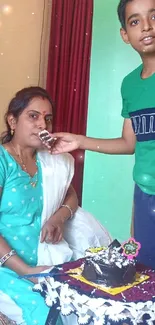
(69, 210)
(16, 264)
(63, 214)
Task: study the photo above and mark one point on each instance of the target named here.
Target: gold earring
(12, 132)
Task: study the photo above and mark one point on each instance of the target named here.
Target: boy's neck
(148, 66)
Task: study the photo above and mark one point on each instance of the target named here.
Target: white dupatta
(82, 231)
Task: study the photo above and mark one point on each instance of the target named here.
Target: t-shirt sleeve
(2, 168)
(125, 112)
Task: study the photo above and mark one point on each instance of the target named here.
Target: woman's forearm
(70, 200)
(14, 262)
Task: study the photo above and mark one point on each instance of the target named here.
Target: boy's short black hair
(121, 11)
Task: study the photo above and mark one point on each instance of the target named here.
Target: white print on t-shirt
(143, 123)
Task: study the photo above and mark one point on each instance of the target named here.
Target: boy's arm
(123, 145)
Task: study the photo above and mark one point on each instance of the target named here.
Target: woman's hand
(52, 231)
(66, 142)
(34, 270)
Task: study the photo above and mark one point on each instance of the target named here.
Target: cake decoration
(74, 298)
(131, 248)
(112, 266)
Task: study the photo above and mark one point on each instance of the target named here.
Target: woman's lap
(33, 307)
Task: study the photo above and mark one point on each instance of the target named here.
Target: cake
(109, 266)
(86, 302)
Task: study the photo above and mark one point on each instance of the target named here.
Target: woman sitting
(40, 222)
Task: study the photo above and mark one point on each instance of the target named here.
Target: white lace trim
(97, 309)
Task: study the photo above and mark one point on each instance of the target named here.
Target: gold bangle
(4, 258)
(70, 210)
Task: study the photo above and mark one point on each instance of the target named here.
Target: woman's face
(35, 118)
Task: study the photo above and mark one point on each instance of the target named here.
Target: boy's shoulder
(133, 76)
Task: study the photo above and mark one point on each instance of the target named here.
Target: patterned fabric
(20, 224)
(91, 306)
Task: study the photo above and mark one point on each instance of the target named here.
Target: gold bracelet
(4, 258)
(70, 210)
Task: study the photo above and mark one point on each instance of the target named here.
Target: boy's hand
(66, 142)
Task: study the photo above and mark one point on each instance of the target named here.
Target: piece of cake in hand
(110, 266)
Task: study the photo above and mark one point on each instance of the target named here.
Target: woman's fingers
(57, 234)
(59, 239)
(47, 234)
(51, 235)
(43, 234)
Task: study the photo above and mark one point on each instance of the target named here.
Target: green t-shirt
(138, 97)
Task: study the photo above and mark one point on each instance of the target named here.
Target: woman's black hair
(121, 11)
(17, 105)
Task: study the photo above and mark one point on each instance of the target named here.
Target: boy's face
(140, 26)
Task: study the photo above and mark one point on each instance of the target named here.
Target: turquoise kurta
(20, 225)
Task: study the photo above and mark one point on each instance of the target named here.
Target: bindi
(44, 113)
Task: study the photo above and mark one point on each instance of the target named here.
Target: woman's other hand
(52, 231)
(66, 142)
(36, 270)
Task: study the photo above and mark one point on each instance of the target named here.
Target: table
(80, 303)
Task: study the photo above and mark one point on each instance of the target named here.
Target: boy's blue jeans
(144, 226)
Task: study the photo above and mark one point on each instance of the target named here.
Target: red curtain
(68, 70)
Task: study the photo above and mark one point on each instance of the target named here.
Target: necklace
(33, 183)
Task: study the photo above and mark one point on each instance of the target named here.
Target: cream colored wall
(24, 38)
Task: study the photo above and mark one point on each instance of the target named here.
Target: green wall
(108, 186)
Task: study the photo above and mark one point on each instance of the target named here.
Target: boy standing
(137, 19)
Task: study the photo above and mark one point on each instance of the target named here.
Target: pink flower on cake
(131, 248)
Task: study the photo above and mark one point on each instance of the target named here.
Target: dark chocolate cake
(109, 266)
